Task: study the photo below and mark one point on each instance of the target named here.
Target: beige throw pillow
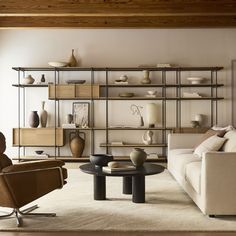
(213, 143)
(210, 133)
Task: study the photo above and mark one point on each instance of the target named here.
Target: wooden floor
(116, 234)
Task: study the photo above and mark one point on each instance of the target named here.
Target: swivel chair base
(26, 212)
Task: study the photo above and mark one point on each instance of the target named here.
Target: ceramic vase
(146, 79)
(43, 80)
(33, 119)
(28, 80)
(77, 144)
(138, 156)
(69, 119)
(43, 116)
(72, 61)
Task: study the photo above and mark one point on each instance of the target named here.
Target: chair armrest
(26, 186)
(218, 177)
(33, 165)
(188, 141)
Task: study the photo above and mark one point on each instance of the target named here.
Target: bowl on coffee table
(100, 160)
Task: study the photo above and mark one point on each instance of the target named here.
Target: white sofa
(211, 180)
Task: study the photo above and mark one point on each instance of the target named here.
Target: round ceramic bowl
(126, 94)
(39, 152)
(123, 78)
(151, 92)
(196, 80)
(100, 160)
(57, 63)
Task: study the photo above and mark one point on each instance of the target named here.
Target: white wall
(111, 47)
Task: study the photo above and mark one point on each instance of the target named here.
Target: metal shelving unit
(178, 85)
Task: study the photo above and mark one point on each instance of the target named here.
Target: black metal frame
(178, 85)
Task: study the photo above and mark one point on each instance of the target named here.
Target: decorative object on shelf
(120, 82)
(151, 94)
(138, 156)
(39, 152)
(199, 118)
(164, 65)
(126, 95)
(81, 114)
(77, 81)
(147, 137)
(33, 119)
(196, 80)
(136, 111)
(72, 61)
(100, 160)
(28, 80)
(152, 114)
(117, 143)
(146, 79)
(69, 118)
(123, 78)
(191, 95)
(43, 116)
(68, 126)
(43, 80)
(195, 124)
(57, 63)
(77, 144)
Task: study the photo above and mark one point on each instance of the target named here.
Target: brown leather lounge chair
(23, 183)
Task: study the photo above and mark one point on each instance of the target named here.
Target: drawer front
(62, 91)
(36, 137)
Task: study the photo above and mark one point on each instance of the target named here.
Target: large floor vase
(77, 144)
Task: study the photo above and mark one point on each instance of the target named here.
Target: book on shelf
(117, 143)
(118, 169)
(68, 126)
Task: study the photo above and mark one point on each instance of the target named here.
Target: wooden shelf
(85, 159)
(132, 145)
(160, 85)
(47, 68)
(30, 85)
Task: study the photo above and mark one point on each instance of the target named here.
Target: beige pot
(138, 156)
(43, 116)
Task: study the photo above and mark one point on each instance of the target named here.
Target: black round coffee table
(133, 181)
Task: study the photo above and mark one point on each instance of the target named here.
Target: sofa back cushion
(230, 144)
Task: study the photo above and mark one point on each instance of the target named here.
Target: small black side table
(133, 181)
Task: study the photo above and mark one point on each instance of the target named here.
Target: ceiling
(117, 13)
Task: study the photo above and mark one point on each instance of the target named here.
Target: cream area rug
(167, 208)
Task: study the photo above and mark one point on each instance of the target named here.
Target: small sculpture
(147, 137)
(136, 110)
(146, 79)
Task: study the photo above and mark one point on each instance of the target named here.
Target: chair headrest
(2, 143)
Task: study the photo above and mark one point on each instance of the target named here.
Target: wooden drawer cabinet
(73, 91)
(38, 137)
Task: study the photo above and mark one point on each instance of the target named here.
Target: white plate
(57, 63)
(195, 80)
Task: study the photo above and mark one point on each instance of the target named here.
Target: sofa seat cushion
(193, 175)
(179, 160)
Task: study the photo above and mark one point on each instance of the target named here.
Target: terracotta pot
(77, 144)
(138, 157)
(33, 119)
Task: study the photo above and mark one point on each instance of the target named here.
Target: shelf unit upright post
(107, 110)
(92, 112)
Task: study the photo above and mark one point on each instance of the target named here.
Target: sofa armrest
(176, 141)
(218, 177)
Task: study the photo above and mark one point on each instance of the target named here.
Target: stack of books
(119, 168)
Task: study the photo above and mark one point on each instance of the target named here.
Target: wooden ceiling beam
(120, 22)
(116, 6)
(118, 13)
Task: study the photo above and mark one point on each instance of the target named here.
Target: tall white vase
(43, 116)
(152, 114)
